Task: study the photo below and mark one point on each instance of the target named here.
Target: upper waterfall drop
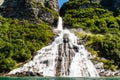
(64, 57)
(60, 24)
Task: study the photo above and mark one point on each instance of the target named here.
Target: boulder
(23, 74)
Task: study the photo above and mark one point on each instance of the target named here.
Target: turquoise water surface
(56, 78)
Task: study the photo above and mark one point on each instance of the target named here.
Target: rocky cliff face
(111, 5)
(46, 10)
(117, 4)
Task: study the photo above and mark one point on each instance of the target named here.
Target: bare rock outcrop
(46, 10)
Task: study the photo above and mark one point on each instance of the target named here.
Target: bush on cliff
(19, 40)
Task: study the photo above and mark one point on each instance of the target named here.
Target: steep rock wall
(46, 10)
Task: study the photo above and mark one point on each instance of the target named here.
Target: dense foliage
(105, 46)
(90, 16)
(19, 40)
(102, 20)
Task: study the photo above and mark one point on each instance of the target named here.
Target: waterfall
(64, 57)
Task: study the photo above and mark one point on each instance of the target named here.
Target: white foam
(46, 60)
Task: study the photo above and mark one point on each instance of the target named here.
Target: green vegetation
(106, 46)
(103, 21)
(19, 40)
(89, 16)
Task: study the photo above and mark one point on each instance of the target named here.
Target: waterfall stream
(64, 57)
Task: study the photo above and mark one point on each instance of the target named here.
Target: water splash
(64, 57)
(1, 2)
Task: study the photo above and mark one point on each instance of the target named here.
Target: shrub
(19, 40)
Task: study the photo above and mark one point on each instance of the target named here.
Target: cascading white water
(64, 57)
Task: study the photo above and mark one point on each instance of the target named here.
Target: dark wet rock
(23, 74)
(65, 38)
(80, 41)
(117, 73)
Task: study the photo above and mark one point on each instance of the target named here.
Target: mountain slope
(98, 17)
(25, 27)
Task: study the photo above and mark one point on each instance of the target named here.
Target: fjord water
(65, 57)
(55, 78)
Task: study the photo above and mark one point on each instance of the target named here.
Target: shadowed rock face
(111, 5)
(117, 4)
(65, 56)
(30, 9)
